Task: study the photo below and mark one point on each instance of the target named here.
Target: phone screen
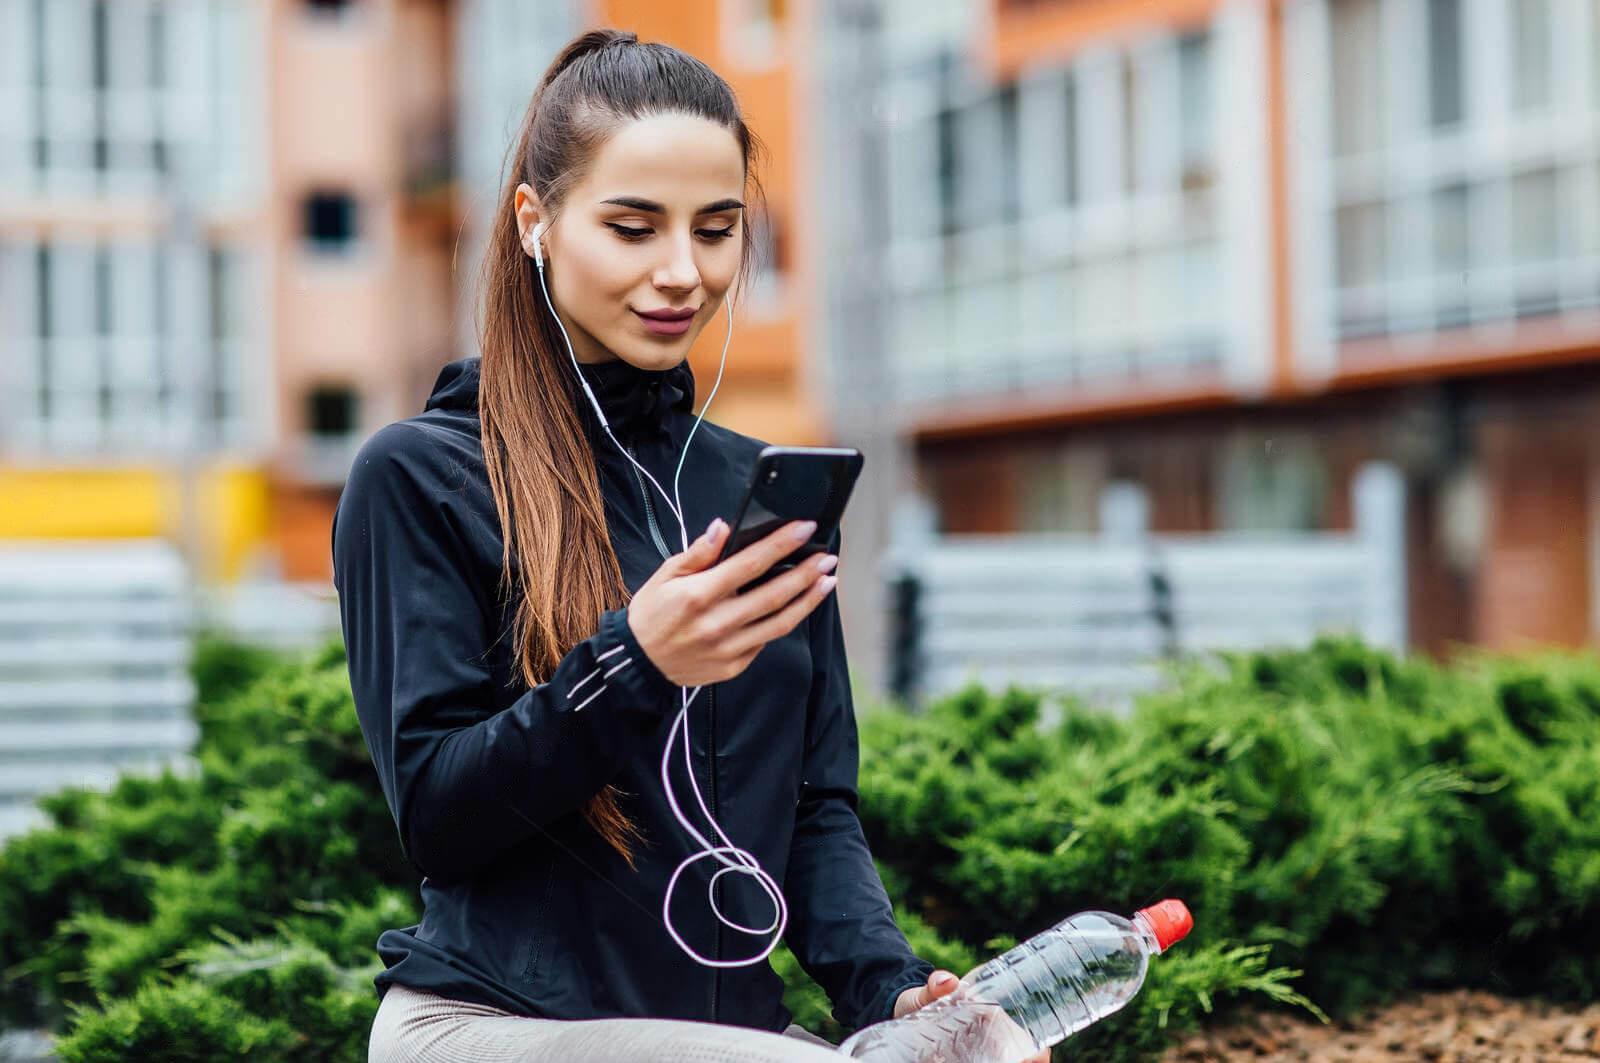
(795, 483)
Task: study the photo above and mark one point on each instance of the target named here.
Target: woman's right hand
(694, 626)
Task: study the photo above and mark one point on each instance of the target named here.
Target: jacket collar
(636, 401)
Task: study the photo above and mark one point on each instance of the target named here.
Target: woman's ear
(529, 221)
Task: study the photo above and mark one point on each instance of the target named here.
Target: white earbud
(535, 248)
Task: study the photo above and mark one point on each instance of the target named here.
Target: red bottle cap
(1170, 920)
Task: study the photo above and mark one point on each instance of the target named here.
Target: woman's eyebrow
(650, 206)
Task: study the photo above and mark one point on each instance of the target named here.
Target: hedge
(1345, 824)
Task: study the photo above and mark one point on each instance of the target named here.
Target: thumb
(940, 983)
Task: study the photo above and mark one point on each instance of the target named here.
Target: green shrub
(282, 813)
(223, 666)
(183, 1023)
(1379, 824)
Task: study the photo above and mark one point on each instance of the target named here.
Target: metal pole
(189, 312)
(865, 406)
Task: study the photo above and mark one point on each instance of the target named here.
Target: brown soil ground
(1458, 1027)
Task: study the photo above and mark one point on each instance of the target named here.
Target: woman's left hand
(943, 983)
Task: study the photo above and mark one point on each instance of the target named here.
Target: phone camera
(772, 474)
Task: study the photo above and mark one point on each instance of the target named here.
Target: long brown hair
(558, 564)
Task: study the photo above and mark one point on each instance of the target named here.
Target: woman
(519, 634)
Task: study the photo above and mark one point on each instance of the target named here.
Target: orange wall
(303, 528)
(1026, 31)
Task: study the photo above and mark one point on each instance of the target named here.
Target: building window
(945, 131)
(1197, 133)
(1361, 244)
(128, 348)
(1069, 138)
(1531, 27)
(1482, 208)
(330, 222)
(1444, 62)
(329, 8)
(1273, 483)
(1452, 253)
(43, 330)
(982, 137)
(1536, 245)
(1129, 85)
(1060, 490)
(753, 31)
(1020, 257)
(333, 411)
(333, 431)
(109, 94)
(1358, 81)
(1010, 164)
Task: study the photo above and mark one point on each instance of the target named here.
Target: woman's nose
(679, 271)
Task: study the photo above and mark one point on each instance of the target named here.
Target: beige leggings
(417, 1027)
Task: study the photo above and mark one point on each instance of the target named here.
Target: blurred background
(1165, 326)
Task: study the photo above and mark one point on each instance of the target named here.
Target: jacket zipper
(649, 511)
(711, 717)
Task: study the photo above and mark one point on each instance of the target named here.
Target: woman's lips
(658, 327)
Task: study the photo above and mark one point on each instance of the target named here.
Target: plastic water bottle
(1034, 996)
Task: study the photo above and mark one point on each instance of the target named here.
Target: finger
(773, 595)
(908, 1001)
(785, 620)
(702, 553)
(734, 572)
(940, 984)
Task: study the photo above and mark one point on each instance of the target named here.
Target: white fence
(95, 645)
(1094, 615)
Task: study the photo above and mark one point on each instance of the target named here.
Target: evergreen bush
(1379, 824)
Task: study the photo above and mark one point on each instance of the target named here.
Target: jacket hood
(456, 387)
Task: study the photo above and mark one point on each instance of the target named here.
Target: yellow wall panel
(139, 503)
(83, 503)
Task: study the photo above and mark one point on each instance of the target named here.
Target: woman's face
(656, 225)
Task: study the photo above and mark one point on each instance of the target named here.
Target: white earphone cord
(733, 858)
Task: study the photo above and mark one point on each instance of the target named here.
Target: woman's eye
(629, 233)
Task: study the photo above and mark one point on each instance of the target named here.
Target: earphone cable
(734, 859)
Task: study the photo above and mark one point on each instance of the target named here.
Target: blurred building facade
(1219, 253)
(133, 246)
(1225, 253)
(238, 236)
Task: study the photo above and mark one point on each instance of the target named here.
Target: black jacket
(525, 906)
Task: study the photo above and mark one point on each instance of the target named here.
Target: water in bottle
(1033, 996)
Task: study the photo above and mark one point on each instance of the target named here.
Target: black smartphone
(794, 483)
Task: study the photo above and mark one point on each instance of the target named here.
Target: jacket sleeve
(841, 924)
(464, 781)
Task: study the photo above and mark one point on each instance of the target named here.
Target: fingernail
(828, 583)
(828, 563)
(714, 529)
(803, 532)
(943, 979)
